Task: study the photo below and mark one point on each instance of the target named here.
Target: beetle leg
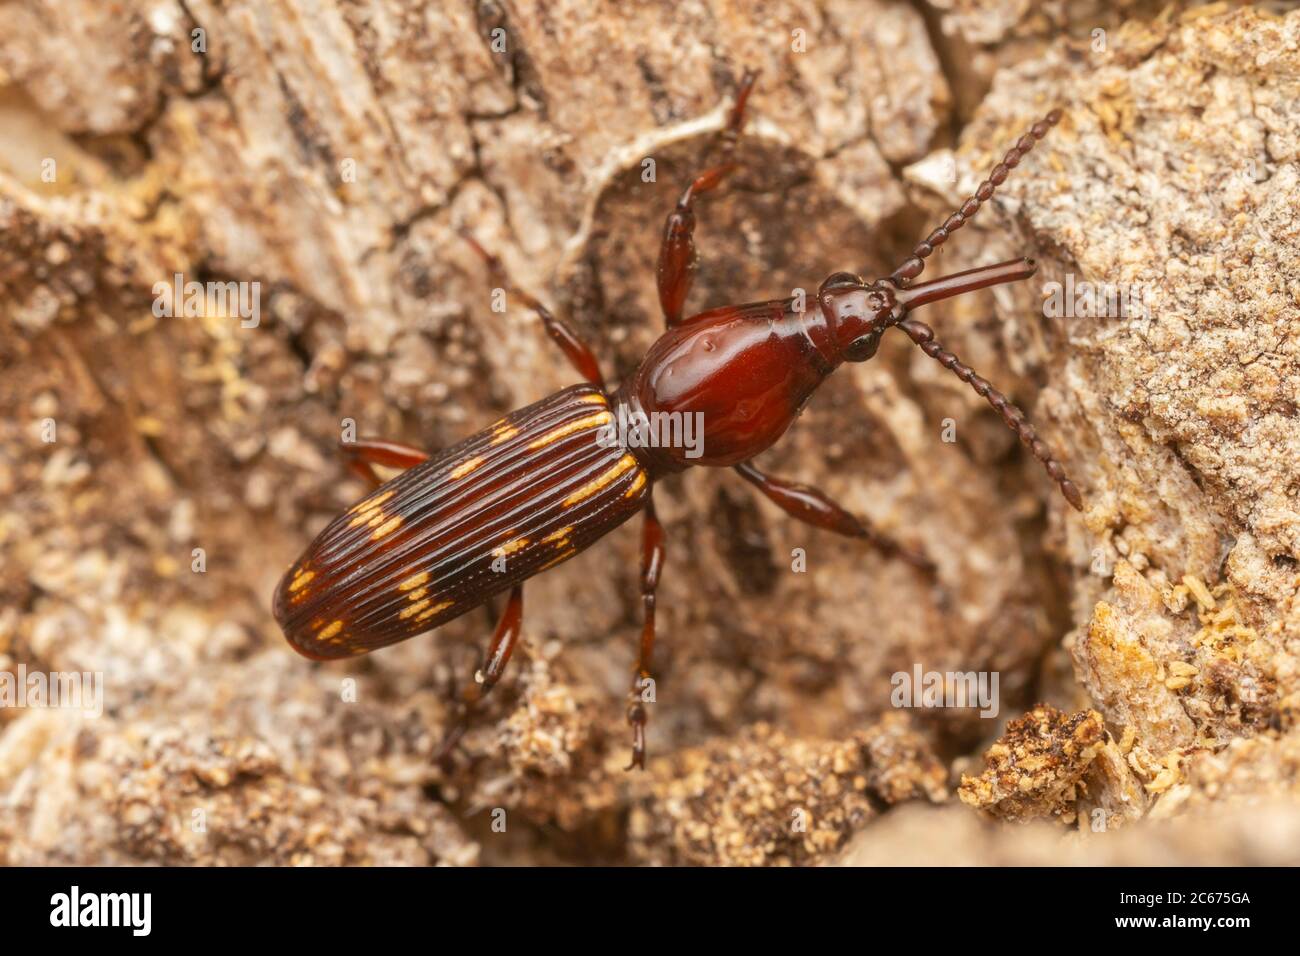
(361, 455)
(503, 644)
(678, 259)
(652, 560)
(813, 507)
(562, 334)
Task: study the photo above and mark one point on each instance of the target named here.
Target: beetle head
(858, 312)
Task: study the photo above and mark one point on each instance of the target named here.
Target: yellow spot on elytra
(414, 609)
(330, 631)
(416, 595)
(557, 559)
(510, 547)
(391, 525)
(300, 579)
(373, 518)
(594, 399)
(625, 464)
(504, 432)
(437, 608)
(561, 541)
(414, 581)
(577, 425)
(369, 504)
(637, 483)
(465, 467)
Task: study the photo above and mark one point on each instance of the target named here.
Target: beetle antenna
(914, 265)
(923, 336)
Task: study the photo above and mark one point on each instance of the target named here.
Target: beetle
(537, 487)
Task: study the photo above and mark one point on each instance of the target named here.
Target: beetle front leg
(361, 455)
(815, 508)
(678, 259)
(498, 656)
(652, 560)
(562, 334)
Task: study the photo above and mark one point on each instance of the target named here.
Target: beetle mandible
(537, 487)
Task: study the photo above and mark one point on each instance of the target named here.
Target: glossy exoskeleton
(537, 487)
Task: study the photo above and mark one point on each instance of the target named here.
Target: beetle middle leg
(498, 656)
(815, 508)
(652, 560)
(363, 454)
(562, 334)
(678, 259)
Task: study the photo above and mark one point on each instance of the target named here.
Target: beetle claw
(636, 717)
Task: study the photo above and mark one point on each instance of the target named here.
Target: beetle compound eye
(863, 347)
(841, 280)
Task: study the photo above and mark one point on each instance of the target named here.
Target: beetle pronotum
(537, 487)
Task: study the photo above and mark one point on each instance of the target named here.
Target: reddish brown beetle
(539, 486)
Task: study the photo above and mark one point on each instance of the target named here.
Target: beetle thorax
(742, 373)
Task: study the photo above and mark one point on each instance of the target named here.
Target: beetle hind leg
(643, 688)
(362, 455)
(503, 644)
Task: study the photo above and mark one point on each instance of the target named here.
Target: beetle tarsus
(442, 757)
(652, 562)
(504, 639)
(636, 717)
(678, 257)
